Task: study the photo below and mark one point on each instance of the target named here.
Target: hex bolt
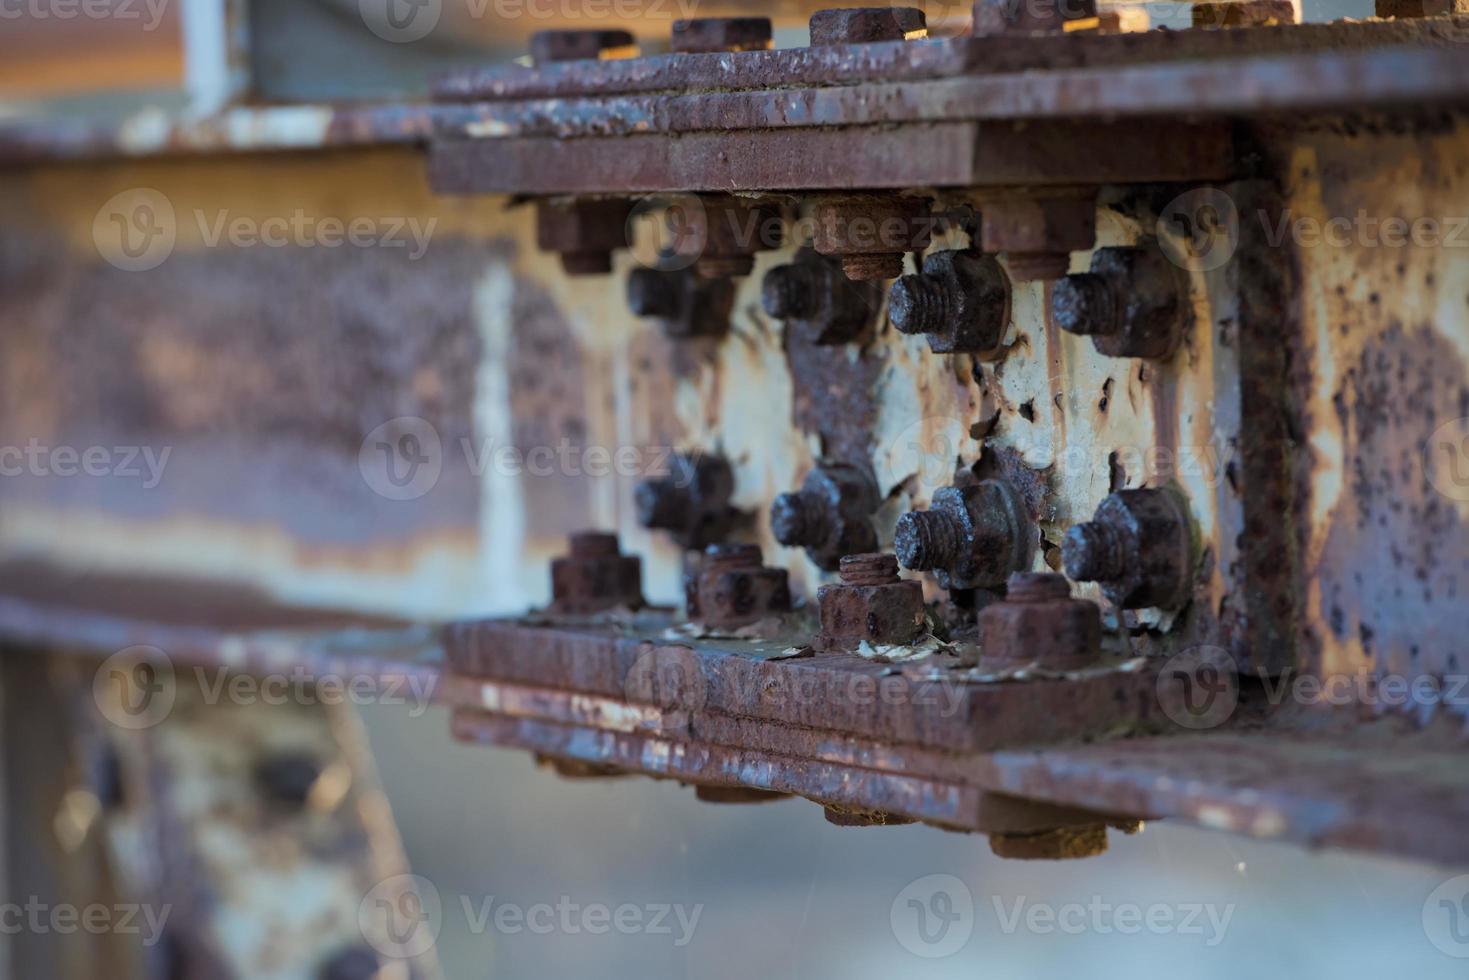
(961, 301)
(867, 25)
(1039, 623)
(870, 605)
(726, 232)
(733, 588)
(830, 516)
(970, 537)
(1243, 13)
(710, 35)
(1001, 17)
(1131, 303)
(1138, 547)
(595, 577)
(355, 963)
(692, 503)
(548, 47)
(687, 304)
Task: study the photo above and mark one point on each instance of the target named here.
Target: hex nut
(711, 35)
(733, 589)
(1040, 623)
(548, 47)
(595, 577)
(867, 25)
(961, 302)
(1138, 547)
(871, 604)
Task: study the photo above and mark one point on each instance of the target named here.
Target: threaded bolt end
(880, 569)
(1083, 305)
(926, 540)
(797, 519)
(789, 293)
(918, 304)
(1093, 552)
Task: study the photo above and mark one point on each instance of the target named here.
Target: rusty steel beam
(954, 154)
(799, 68)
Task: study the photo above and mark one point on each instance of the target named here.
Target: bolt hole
(1106, 396)
(1027, 411)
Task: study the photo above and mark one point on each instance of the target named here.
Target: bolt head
(710, 35)
(867, 25)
